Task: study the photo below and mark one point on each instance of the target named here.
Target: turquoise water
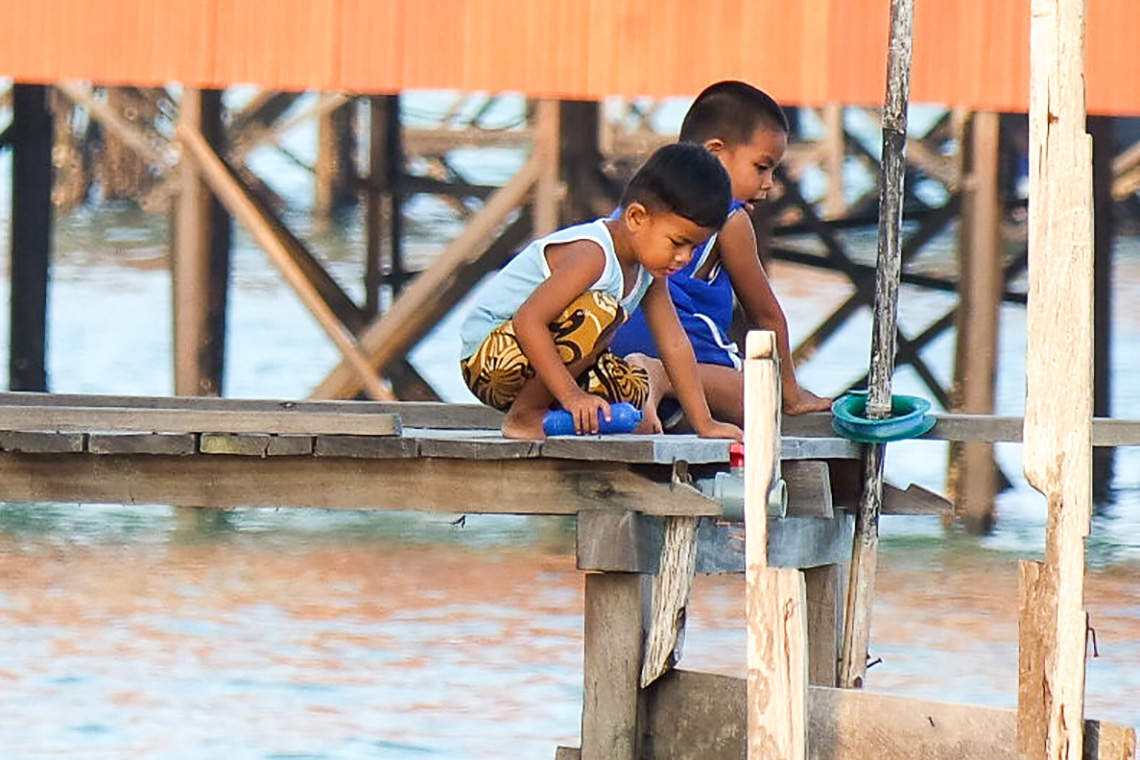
(132, 632)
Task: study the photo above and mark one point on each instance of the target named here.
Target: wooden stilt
(1058, 407)
(590, 193)
(613, 647)
(974, 480)
(200, 262)
(776, 605)
(30, 136)
(671, 588)
(334, 170)
(824, 591)
(834, 151)
(1104, 237)
(864, 556)
(546, 190)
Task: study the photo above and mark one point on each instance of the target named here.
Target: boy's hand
(714, 429)
(584, 408)
(805, 401)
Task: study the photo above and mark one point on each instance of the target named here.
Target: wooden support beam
(612, 661)
(860, 589)
(221, 180)
(31, 226)
(671, 588)
(281, 421)
(82, 95)
(833, 158)
(547, 190)
(696, 716)
(1057, 453)
(776, 605)
(406, 320)
(972, 472)
(1101, 129)
(504, 486)
(201, 260)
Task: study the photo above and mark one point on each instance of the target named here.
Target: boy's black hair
(731, 111)
(685, 179)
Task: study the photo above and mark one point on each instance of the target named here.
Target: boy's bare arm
(676, 354)
(739, 256)
(574, 267)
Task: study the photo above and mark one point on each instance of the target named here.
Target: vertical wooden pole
(613, 645)
(980, 275)
(333, 170)
(1058, 406)
(864, 554)
(590, 193)
(1104, 237)
(201, 261)
(835, 147)
(776, 605)
(31, 137)
(546, 190)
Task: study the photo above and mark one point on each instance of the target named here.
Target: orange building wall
(973, 53)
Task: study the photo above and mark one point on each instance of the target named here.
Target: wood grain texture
(1057, 452)
(613, 648)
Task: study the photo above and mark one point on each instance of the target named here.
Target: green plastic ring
(910, 417)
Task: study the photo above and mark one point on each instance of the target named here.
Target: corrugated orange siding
(972, 53)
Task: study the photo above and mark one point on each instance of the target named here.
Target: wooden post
(590, 193)
(201, 261)
(835, 148)
(857, 631)
(671, 588)
(776, 605)
(973, 471)
(823, 588)
(546, 190)
(30, 136)
(1058, 406)
(382, 214)
(1104, 236)
(613, 646)
(334, 167)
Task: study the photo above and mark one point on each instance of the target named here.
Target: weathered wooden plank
(544, 487)
(1057, 453)
(915, 500)
(824, 589)
(567, 753)
(421, 414)
(41, 442)
(695, 716)
(612, 662)
(671, 588)
(365, 447)
(122, 419)
(808, 483)
(472, 444)
(1037, 605)
(176, 444)
(775, 603)
(257, 444)
(974, 427)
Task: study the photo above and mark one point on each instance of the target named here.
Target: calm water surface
(130, 632)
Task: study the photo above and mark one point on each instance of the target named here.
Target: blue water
(125, 632)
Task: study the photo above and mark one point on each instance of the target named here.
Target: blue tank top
(704, 307)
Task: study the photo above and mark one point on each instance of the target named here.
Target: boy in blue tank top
(539, 333)
(748, 131)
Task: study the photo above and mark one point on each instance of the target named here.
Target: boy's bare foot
(525, 426)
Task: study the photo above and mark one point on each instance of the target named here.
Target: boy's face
(663, 241)
(750, 165)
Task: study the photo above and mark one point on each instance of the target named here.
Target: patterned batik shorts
(497, 370)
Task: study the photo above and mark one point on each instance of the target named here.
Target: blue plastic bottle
(625, 417)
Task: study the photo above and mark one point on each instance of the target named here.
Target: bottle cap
(736, 454)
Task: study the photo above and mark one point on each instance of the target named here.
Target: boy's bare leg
(659, 388)
(524, 418)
